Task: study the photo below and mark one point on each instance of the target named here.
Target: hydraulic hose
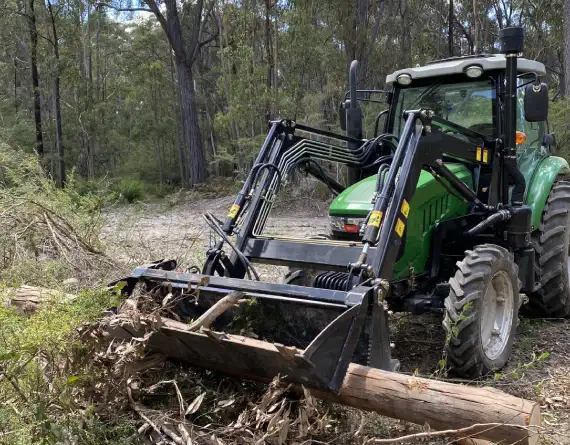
(380, 178)
(211, 220)
(517, 178)
(501, 215)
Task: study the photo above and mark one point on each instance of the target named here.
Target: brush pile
(175, 404)
(40, 222)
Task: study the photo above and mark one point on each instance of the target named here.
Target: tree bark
(177, 120)
(157, 133)
(450, 28)
(270, 60)
(88, 55)
(35, 78)
(61, 178)
(191, 129)
(26, 300)
(567, 48)
(476, 44)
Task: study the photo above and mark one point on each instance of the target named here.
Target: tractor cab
(467, 91)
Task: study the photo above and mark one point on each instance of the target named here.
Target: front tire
(550, 244)
(481, 311)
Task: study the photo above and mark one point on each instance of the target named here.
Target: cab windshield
(469, 104)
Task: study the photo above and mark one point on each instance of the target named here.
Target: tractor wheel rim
(497, 316)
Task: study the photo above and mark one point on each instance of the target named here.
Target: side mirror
(536, 102)
(342, 116)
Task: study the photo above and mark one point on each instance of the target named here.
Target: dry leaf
(166, 299)
(284, 428)
(274, 407)
(195, 404)
(303, 422)
(226, 403)
(276, 417)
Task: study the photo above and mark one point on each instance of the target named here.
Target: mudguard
(547, 171)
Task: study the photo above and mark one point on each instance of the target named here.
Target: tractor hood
(356, 199)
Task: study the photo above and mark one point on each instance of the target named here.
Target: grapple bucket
(321, 365)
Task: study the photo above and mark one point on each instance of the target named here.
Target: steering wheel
(485, 129)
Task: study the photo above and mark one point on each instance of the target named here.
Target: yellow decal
(485, 155)
(400, 226)
(233, 211)
(478, 154)
(375, 218)
(405, 208)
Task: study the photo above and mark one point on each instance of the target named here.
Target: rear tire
(303, 277)
(550, 244)
(481, 311)
(299, 277)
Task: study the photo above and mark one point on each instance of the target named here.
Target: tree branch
(458, 433)
(102, 4)
(208, 40)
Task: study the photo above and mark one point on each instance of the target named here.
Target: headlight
(348, 225)
(404, 79)
(473, 71)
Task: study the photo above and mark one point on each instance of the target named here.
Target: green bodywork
(430, 203)
(540, 172)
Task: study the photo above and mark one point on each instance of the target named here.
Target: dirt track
(137, 234)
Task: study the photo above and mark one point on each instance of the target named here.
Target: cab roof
(457, 65)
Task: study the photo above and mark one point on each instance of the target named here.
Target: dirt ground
(538, 370)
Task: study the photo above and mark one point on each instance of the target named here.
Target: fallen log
(442, 405)
(25, 300)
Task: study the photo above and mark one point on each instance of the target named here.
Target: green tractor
(458, 206)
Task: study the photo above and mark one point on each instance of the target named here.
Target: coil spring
(331, 280)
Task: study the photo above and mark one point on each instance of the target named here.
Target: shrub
(131, 189)
(41, 225)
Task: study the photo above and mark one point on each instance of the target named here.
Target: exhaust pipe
(353, 121)
(512, 44)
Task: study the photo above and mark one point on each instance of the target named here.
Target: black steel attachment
(321, 365)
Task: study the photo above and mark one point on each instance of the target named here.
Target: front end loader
(458, 206)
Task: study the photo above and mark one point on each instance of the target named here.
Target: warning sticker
(233, 211)
(485, 155)
(478, 154)
(375, 218)
(400, 226)
(405, 208)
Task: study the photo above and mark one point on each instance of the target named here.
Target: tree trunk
(157, 134)
(567, 48)
(450, 28)
(177, 120)
(35, 77)
(191, 129)
(270, 60)
(476, 44)
(61, 178)
(276, 64)
(88, 61)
